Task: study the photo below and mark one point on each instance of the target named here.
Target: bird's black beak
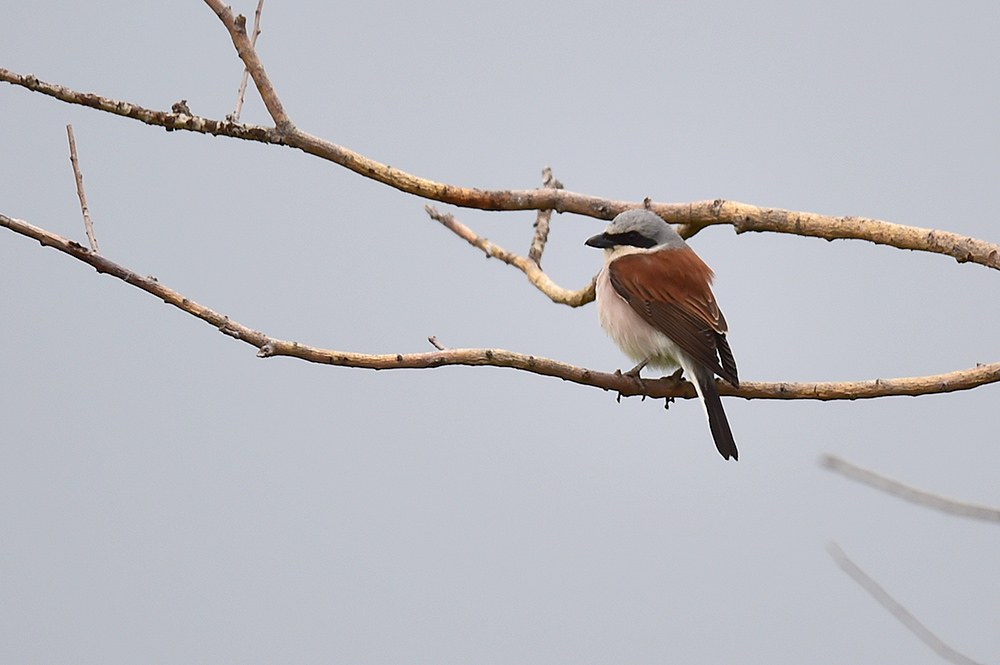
(601, 241)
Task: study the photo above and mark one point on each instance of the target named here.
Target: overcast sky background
(166, 496)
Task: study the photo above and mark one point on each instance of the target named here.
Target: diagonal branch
(897, 610)
(235, 115)
(237, 27)
(530, 268)
(903, 491)
(623, 384)
(78, 175)
(691, 216)
(542, 221)
(269, 346)
(532, 199)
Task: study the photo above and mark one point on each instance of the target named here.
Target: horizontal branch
(665, 387)
(964, 379)
(168, 120)
(690, 216)
(746, 217)
(907, 492)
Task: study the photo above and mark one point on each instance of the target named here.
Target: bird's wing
(671, 291)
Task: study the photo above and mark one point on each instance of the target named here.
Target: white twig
(897, 610)
(896, 488)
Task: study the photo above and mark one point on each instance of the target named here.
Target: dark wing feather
(717, 421)
(728, 362)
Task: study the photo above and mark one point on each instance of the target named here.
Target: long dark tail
(717, 421)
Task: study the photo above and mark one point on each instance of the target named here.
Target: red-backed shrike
(654, 299)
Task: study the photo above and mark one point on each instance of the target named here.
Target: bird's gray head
(638, 228)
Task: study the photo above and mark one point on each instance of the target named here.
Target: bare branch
(691, 217)
(532, 199)
(751, 218)
(824, 391)
(237, 27)
(953, 381)
(542, 221)
(177, 120)
(897, 610)
(274, 347)
(530, 268)
(903, 491)
(235, 115)
(87, 223)
(664, 387)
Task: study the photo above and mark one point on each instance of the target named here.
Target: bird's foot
(634, 375)
(676, 376)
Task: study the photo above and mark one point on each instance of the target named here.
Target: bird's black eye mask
(631, 238)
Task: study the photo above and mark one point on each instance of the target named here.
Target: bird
(654, 299)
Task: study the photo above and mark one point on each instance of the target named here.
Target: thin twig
(235, 116)
(542, 221)
(620, 383)
(907, 492)
(87, 223)
(897, 610)
(435, 343)
(535, 274)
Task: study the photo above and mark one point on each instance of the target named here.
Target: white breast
(636, 338)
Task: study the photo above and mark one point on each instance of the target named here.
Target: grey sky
(166, 496)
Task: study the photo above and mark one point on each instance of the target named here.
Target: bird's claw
(634, 375)
(676, 376)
